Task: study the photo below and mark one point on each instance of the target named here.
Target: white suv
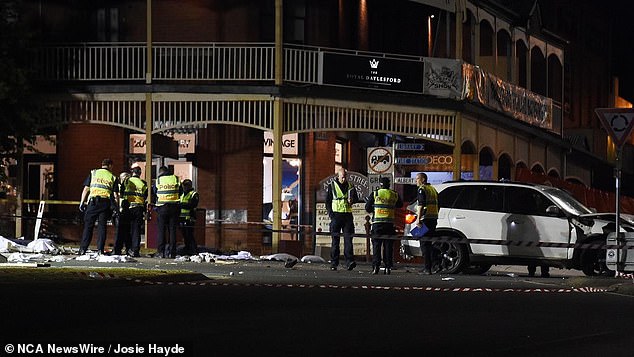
(485, 223)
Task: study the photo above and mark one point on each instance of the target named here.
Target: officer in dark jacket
(167, 191)
(98, 200)
(340, 195)
(382, 203)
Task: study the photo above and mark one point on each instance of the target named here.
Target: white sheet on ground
(42, 245)
(282, 257)
(313, 259)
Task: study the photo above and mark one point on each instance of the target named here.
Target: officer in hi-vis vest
(167, 190)
(383, 203)
(98, 200)
(133, 207)
(189, 202)
(122, 220)
(340, 195)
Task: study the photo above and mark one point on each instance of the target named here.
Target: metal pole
(148, 110)
(619, 237)
(278, 131)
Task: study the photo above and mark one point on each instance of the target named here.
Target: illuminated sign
(351, 70)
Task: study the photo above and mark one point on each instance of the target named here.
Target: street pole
(620, 261)
(148, 109)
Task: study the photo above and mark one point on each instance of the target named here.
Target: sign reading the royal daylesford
(372, 72)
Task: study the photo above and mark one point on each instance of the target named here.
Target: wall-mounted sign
(186, 143)
(409, 147)
(412, 161)
(372, 72)
(289, 143)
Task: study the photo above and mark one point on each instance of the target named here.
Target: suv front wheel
(593, 263)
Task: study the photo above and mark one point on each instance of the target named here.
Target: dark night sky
(624, 46)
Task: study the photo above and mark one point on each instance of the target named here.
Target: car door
(478, 214)
(526, 224)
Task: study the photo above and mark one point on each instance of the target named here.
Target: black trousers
(187, 228)
(129, 226)
(122, 235)
(136, 226)
(341, 222)
(98, 210)
(383, 245)
(426, 245)
(167, 220)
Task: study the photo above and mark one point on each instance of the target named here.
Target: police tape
(300, 231)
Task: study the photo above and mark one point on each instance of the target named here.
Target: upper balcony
(254, 63)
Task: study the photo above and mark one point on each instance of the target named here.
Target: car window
(524, 200)
(482, 198)
(447, 197)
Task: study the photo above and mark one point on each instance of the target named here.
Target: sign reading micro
(431, 162)
(372, 72)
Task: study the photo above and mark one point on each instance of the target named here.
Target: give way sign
(618, 122)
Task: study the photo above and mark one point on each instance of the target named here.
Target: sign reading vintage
(372, 72)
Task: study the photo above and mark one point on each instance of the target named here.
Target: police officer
(427, 211)
(136, 196)
(98, 199)
(189, 202)
(382, 204)
(167, 190)
(340, 195)
(122, 219)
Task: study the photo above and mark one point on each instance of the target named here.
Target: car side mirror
(553, 211)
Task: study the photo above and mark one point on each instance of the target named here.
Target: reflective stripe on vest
(340, 200)
(167, 190)
(135, 191)
(186, 213)
(101, 183)
(384, 202)
(431, 208)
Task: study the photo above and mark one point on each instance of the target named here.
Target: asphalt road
(262, 308)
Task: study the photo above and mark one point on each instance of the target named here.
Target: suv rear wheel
(452, 257)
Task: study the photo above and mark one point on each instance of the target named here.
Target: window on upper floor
(108, 24)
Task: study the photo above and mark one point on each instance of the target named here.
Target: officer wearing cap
(98, 200)
(166, 196)
(189, 202)
(382, 203)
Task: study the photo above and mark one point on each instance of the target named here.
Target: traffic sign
(412, 161)
(380, 160)
(405, 180)
(618, 122)
(409, 146)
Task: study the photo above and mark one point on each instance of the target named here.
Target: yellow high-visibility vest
(167, 190)
(384, 202)
(101, 183)
(340, 200)
(135, 192)
(431, 207)
(186, 213)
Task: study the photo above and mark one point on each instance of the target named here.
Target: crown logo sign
(374, 64)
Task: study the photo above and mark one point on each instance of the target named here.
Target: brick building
(481, 84)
